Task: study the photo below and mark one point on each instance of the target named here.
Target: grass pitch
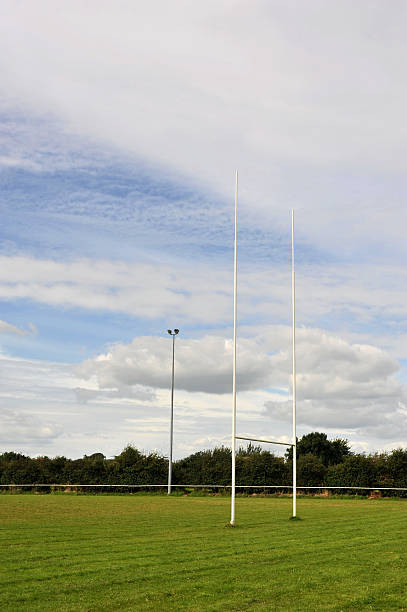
(91, 553)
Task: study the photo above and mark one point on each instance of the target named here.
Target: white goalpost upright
(294, 375)
(234, 435)
(233, 497)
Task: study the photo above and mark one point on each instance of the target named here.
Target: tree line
(320, 463)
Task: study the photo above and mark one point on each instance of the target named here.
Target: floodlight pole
(294, 385)
(233, 494)
(173, 334)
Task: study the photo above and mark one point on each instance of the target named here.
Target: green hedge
(320, 462)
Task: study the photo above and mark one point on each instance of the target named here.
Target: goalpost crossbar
(265, 441)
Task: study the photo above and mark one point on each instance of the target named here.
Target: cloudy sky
(122, 124)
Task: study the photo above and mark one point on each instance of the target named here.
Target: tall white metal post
(233, 497)
(294, 386)
(173, 334)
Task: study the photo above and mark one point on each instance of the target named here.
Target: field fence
(67, 487)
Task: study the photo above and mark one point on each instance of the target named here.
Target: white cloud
(42, 415)
(176, 64)
(190, 291)
(199, 89)
(201, 365)
(142, 289)
(8, 328)
(15, 162)
(339, 385)
(345, 387)
(124, 396)
(136, 392)
(22, 428)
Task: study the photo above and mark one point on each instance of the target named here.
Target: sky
(121, 127)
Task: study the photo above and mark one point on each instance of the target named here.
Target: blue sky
(119, 145)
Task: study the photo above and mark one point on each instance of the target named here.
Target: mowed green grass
(68, 552)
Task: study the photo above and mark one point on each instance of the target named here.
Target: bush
(311, 471)
(205, 467)
(355, 471)
(255, 466)
(321, 462)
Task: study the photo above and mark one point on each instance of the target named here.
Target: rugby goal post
(235, 437)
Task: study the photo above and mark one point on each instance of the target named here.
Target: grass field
(68, 552)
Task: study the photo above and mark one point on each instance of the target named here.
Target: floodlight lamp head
(176, 331)
(169, 331)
